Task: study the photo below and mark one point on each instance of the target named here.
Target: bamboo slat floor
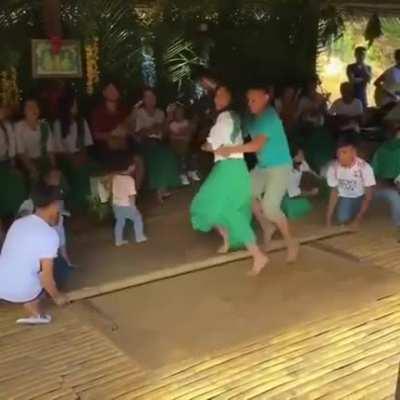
(66, 360)
(381, 250)
(355, 356)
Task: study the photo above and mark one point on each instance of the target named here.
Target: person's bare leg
(290, 241)
(260, 260)
(225, 237)
(268, 228)
(33, 308)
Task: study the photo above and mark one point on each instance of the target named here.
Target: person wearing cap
(26, 260)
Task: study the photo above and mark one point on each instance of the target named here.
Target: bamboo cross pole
(109, 287)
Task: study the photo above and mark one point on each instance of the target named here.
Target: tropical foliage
(241, 39)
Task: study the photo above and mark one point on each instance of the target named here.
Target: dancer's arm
(253, 146)
(333, 199)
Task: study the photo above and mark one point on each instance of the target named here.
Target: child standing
(180, 136)
(124, 201)
(351, 180)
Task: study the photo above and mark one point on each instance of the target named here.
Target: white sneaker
(194, 176)
(143, 239)
(185, 180)
(120, 244)
(37, 320)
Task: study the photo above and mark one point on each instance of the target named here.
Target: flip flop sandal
(38, 320)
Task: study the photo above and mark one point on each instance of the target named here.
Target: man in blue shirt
(271, 175)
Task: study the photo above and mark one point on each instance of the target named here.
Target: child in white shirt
(351, 180)
(124, 201)
(300, 166)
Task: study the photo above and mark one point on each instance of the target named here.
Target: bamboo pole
(109, 287)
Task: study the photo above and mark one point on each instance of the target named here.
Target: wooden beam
(109, 287)
(52, 18)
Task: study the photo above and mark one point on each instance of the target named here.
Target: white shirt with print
(69, 144)
(351, 182)
(29, 141)
(221, 135)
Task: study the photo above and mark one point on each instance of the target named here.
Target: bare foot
(292, 252)
(259, 264)
(223, 249)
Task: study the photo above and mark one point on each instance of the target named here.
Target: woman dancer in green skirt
(225, 198)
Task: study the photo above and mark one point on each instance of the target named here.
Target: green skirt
(77, 176)
(14, 191)
(162, 166)
(224, 200)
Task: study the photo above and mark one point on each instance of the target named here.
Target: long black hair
(65, 106)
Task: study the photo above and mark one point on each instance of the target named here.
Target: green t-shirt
(275, 152)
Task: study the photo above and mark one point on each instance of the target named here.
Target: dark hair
(263, 87)
(44, 195)
(346, 140)
(397, 54)
(231, 105)
(112, 82)
(149, 89)
(120, 161)
(65, 105)
(360, 49)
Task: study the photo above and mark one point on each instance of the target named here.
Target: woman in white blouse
(35, 140)
(224, 202)
(161, 163)
(13, 190)
(72, 139)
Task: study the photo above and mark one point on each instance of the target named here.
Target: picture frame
(67, 63)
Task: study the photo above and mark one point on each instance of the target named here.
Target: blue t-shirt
(275, 152)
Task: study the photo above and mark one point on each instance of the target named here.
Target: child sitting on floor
(300, 166)
(124, 200)
(352, 181)
(180, 135)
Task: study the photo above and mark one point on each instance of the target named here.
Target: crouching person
(352, 182)
(26, 260)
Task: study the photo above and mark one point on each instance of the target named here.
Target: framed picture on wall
(67, 63)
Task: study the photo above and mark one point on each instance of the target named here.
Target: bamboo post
(109, 287)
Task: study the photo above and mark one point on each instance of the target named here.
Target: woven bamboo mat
(66, 360)
(377, 248)
(355, 356)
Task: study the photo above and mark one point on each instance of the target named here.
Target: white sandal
(38, 320)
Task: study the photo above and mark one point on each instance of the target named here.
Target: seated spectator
(312, 107)
(14, 189)
(287, 107)
(161, 163)
(73, 138)
(25, 275)
(352, 181)
(110, 128)
(347, 112)
(300, 166)
(35, 140)
(180, 135)
(387, 93)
